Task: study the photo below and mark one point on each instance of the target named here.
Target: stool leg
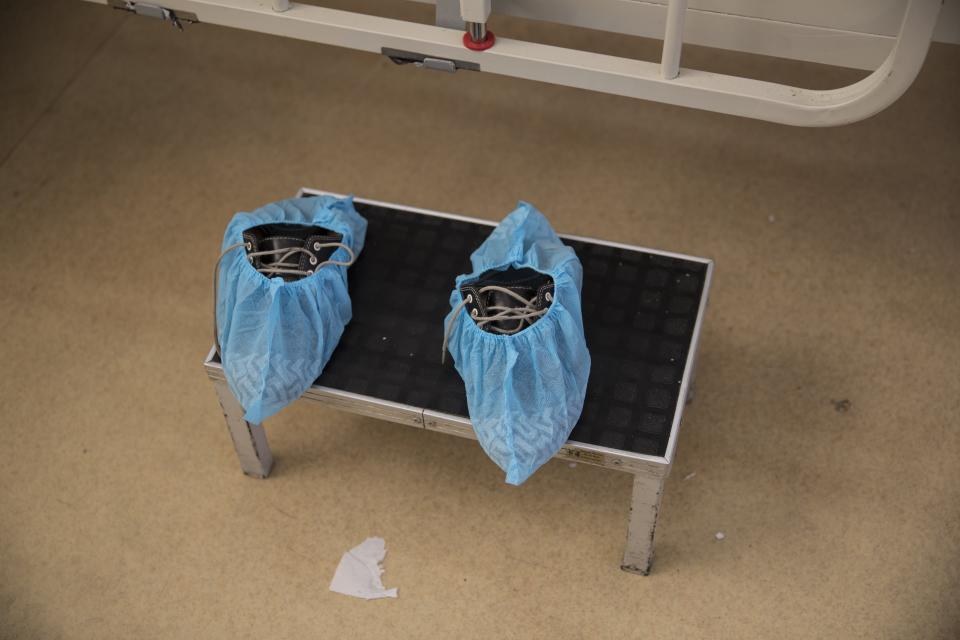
(249, 439)
(692, 388)
(644, 508)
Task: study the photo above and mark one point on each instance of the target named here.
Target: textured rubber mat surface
(639, 312)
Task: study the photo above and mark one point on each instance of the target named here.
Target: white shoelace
(523, 315)
(277, 267)
(281, 266)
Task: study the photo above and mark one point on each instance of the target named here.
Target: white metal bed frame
(442, 47)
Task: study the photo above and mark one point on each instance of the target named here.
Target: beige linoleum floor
(125, 147)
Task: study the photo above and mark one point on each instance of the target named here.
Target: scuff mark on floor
(841, 406)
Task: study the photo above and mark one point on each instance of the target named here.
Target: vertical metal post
(477, 31)
(673, 39)
(448, 15)
(475, 14)
(249, 439)
(644, 509)
(281, 5)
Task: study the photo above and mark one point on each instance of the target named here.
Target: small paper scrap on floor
(720, 535)
(359, 571)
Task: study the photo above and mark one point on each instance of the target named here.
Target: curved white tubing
(596, 72)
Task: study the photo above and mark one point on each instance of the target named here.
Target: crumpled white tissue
(359, 571)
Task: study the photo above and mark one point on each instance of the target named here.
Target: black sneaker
(508, 301)
(290, 251)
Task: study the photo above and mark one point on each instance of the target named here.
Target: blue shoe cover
(276, 337)
(525, 390)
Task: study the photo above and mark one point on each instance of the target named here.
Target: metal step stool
(642, 313)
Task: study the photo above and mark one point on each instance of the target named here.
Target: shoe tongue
(499, 298)
(276, 243)
(279, 237)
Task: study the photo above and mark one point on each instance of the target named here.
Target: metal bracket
(428, 62)
(176, 18)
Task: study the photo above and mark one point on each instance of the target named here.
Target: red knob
(483, 45)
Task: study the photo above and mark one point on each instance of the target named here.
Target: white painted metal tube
(673, 39)
(597, 72)
(475, 10)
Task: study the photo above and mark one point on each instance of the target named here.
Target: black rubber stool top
(639, 311)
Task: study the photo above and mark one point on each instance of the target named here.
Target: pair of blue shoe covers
(515, 329)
